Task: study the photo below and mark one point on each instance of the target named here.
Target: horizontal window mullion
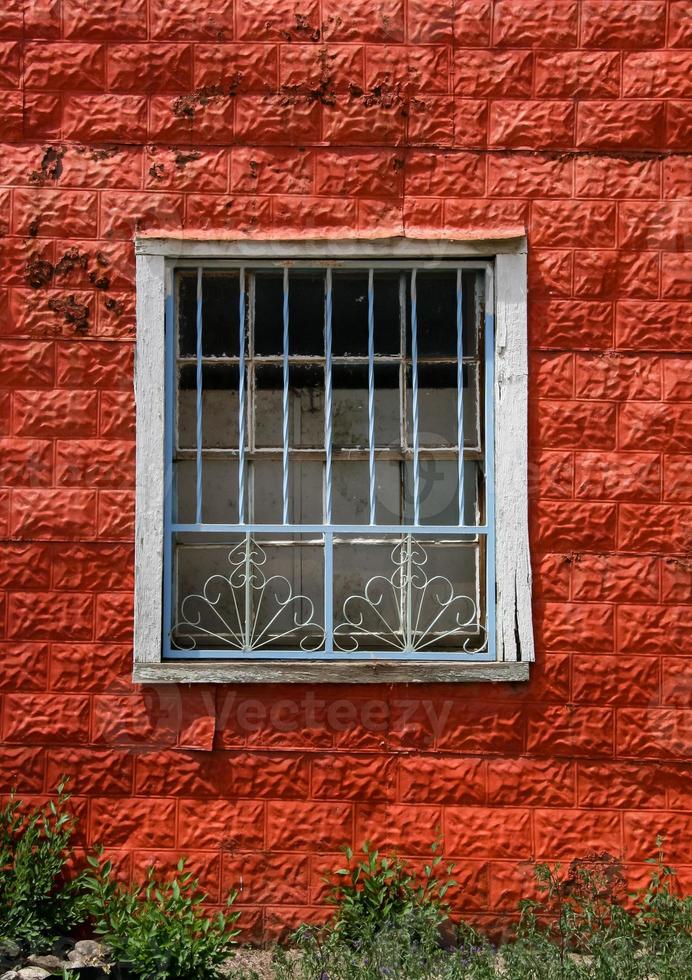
(394, 530)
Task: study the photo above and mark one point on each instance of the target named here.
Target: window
(317, 481)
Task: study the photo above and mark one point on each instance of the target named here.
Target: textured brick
(21, 769)
(94, 365)
(116, 514)
(617, 177)
(149, 716)
(565, 224)
(552, 375)
(656, 74)
(617, 476)
(676, 685)
(619, 785)
(529, 23)
(654, 733)
(552, 577)
(385, 22)
(268, 878)
(654, 326)
(528, 782)
(615, 578)
(665, 225)
(25, 462)
(430, 22)
(678, 122)
(446, 781)
(563, 323)
(679, 26)
(615, 680)
(27, 362)
(602, 273)
(123, 214)
(52, 213)
(201, 20)
(618, 377)
(29, 717)
(576, 626)
(550, 272)
(244, 67)
(575, 424)
(91, 771)
(80, 67)
(487, 832)
(94, 463)
(677, 477)
(82, 667)
(55, 413)
(655, 426)
(470, 122)
(352, 122)
(353, 778)
(308, 826)
(42, 115)
(654, 629)
(25, 566)
(281, 171)
(136, 823)
(563, 833)
(53, 514)
(574, 732)
(677, 382)
(114, 616)
(382, 825)
(661, 527)
(676, 580)
(551, 474)
(150, 68)
(620, 124)
(675, 829)
(676, 280)
(534, 125)
(105, 117)
(9, 64)
(577, 74)
(24, 666)
(481, 728)
(623, 23)
(529, 176)
(493, 73)
(84, 20)
(574, 526)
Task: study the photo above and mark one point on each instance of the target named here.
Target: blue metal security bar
(329, 462)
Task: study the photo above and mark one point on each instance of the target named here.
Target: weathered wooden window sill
(280, 672)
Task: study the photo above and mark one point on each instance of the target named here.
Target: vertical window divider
(284, 406)
(199, 380)
(460, 398)
(414, 398)
(328, 535)
(242, 419)
(371, 393)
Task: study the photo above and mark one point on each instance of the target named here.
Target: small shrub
(38, 902)
(376, 893)
(158, 929)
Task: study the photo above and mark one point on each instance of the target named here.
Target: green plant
(159, 929)
(375, 893)
(38, 900)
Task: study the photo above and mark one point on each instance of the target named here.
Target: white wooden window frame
(514, 630)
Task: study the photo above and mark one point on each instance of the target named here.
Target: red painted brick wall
(342, 117)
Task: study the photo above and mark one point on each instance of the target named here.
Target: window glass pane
(219, 490)
(437, 406)
(219, 406)
(306, 313)
(439, 492)
(436, 293)
(350, 313)
(350, 406)
(218, 606)
(268, 320)
(372, 596)
(351, 492)
(268, 413)
(220, 314)
(305, 490)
